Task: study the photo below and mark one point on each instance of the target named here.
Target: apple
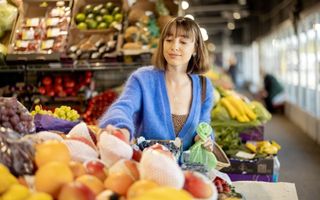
(92, 182)
(128, 167)
(76, 191)
(197, 185)
(137, 153)
(46, 80)
(97, 169)
(42, 90)
(77, 168)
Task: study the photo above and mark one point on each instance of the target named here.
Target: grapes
(14, 115)
(63, 112)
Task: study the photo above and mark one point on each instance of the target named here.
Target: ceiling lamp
(231, 26)
(184, 5)
(189, 16)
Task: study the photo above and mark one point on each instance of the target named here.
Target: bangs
(181, 28)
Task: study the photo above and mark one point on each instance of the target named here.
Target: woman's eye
(168, 40)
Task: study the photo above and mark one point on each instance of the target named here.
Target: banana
(232, 111)
(235, 103)
(251, 147)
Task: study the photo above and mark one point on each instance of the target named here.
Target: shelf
(12, 68)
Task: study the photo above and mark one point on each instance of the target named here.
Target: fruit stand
(50, 146)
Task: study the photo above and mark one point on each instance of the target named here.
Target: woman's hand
(208, 144)
(124, 131)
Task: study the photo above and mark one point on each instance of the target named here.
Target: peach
(97, 169)
(77, 168)
(197, 185)
(129, 167)
(91, 182)
(51, 150)
(118, 183)
(50, 177)
(140, 187)
(76, 191)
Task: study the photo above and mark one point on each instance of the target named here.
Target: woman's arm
(121, 113)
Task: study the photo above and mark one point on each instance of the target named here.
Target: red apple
(97, 169)
(42, 90)
(137, 153)
(76, 191)
(46, 81)
(197, 185)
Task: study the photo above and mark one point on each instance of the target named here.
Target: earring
(194, 54)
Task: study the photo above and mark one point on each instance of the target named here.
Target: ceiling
(257, 17)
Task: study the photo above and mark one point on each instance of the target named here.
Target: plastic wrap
(16, 153)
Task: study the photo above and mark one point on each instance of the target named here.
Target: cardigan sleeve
(207, 105)
(121, 113)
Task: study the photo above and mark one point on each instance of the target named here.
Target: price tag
(53, 32)
(28, 34)
(52, 21)
(32, 22)
(22, 44)
(47, 44)
(55, 65)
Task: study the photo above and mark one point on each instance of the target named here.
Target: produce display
(71, 164)
(98, 16)
(97, 105)
(63, 112)
(44, 34)
(63, 85)
(15, 116)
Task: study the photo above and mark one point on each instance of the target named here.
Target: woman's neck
(174, 76)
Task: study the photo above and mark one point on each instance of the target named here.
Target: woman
(164, 101)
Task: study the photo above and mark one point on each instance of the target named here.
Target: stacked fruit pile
(64, 85)
(98, 105)
(63, 112)
(99, 16)
(68, 168)
(15, 116)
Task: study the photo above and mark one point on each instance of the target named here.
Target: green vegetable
(8, 14)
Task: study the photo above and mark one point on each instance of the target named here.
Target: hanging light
(231, 26)
(189, 16)
(236, 15)
(184, 5)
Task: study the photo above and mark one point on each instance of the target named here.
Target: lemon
(40, 196)
(3, 169)
(6, 181)
(16, 192)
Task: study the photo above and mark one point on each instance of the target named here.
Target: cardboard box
(253, 134)
(261, 166)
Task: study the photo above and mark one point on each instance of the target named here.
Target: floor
(299, 157)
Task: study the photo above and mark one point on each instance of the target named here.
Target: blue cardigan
(144, 109)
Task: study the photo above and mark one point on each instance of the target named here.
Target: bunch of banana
(238, 109)
(264, 147)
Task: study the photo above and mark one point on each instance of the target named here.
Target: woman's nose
(175, 45)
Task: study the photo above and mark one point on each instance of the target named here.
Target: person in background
(273, 92)
(232, 70)
(163, 101)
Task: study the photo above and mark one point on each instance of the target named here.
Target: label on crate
(28, 34)
(52, 21)
(47, 44)
(57, 12)
(53, 32)
(31, 22)
(22, 44)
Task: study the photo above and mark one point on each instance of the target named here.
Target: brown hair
(198, 63)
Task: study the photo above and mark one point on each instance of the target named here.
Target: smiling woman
(163, 101)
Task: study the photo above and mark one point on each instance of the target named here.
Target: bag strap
(203, 87)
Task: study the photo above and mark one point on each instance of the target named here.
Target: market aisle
(299, 157)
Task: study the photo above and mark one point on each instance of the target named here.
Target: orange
(92, 183)
(118, 183)
(50, 177)
(140, 187)
(51, 150)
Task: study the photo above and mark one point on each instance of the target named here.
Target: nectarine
(197, 185)
(76, 191)
(119, 183)
(91, 182)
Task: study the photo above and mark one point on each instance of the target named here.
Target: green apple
(80, 17)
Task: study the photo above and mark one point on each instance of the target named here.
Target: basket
(222, 159)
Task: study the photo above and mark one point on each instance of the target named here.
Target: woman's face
(178, 49)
